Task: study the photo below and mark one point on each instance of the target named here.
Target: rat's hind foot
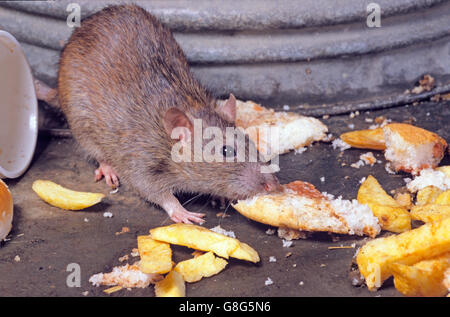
(111, 177)
(46, 93)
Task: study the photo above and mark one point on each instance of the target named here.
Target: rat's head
(210, 155)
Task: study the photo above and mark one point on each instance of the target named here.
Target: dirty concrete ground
(48, 239)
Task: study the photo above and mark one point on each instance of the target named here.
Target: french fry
(430, 212)
(113, 289)
(424, 278)
(171, 286)
(245, 252)
(374, 259)
(404, 200)
(427, 195)
(204, 265)
(391, 215)
(156, 256)
(64, 198)
(443, 198)
(200, 238)
(365, 139)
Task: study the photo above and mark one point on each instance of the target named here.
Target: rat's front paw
(187, 217)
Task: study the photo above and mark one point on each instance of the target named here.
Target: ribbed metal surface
(304, 53)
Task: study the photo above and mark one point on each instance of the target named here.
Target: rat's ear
(228, 110)
(175, 118)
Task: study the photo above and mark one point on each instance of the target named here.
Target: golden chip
(64, 198)
(430, 212)
(245, 252)
(204, 265)
(427, 195)
(171, 286)
(200, 238)
(391, 215)
(404, 200)
(424, 278)
(443, 198)
(156, 256)
(365, 139)
(376, 256)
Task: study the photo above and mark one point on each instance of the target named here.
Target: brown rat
(124, 84)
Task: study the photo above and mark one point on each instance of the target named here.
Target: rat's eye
(228, 151)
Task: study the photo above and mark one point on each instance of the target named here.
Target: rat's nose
(271, 183)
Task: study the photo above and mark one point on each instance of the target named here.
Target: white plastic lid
(18, 109)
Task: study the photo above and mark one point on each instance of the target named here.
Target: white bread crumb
(357, 216)
(339, 144)
(125, 276)
(219, 229)
(429, 177)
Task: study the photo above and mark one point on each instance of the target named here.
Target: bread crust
(256, 120)
(415, 135)
(6, 210)
(425, 149)
(298, 206)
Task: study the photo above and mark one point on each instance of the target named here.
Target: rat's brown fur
(119, 74)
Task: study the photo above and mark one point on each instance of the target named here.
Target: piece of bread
(126, 276)
(446, 280)
(301, 206)
(6, 210)
(295, 131)
(439, 178)
(411, 149)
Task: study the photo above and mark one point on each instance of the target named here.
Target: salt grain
(338, 143)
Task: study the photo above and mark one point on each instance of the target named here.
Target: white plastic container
(18, 109)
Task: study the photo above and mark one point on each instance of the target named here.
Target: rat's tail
(46, 93)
